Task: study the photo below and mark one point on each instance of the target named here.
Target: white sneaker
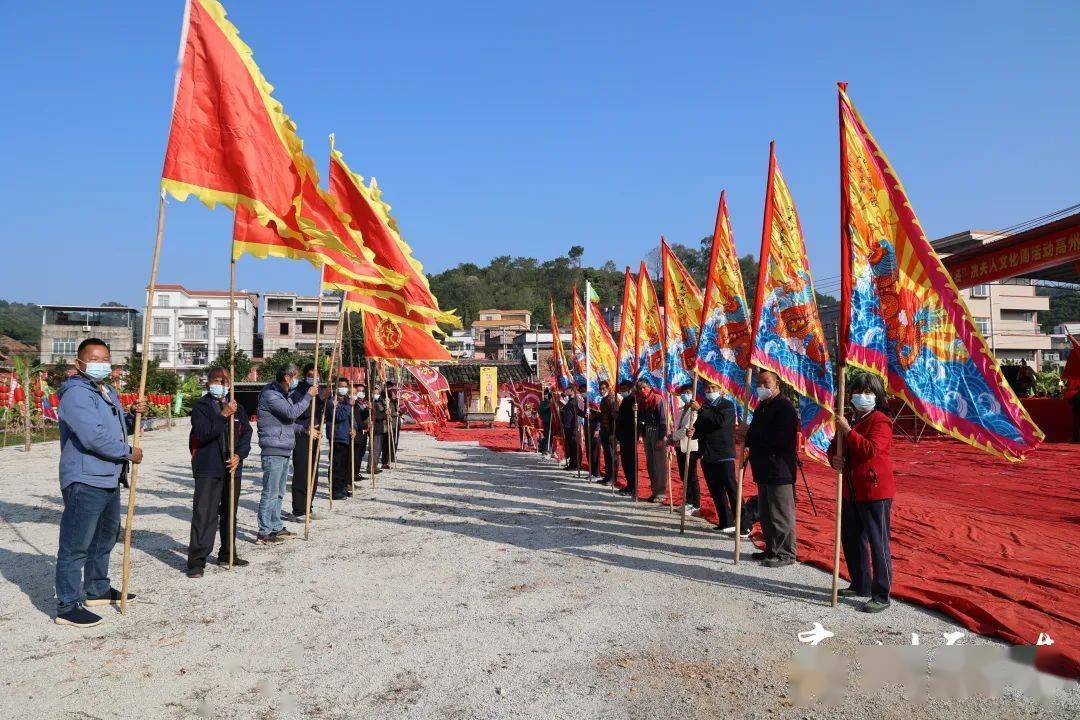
(690, 509)
(696, 512)
(729, 530)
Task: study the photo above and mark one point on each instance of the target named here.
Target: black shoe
(602, 481)
(761, 556)
(340, 496)
(270, 539)
(779, 562)
(79, 617)
(623, 491)
(194, 573)
(223, 561)
(850, 592)
(284, 534)
(875, 606)
(110, 598)
(385, 467)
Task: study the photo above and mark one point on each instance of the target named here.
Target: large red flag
(389, 335)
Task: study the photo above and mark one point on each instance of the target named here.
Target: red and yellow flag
(368, 216)
(388, 335)
(561, 369)
(603, 353)
(682, 319)
(577, 339)
(627, 357)
(648, 333)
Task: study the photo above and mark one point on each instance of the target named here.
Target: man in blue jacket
(278, 411)
(211, 464)
(93, 449)
(339, 429)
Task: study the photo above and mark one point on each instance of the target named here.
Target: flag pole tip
(842, 85)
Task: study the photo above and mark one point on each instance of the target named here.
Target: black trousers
(384, 441)
(361, 446)
(339, 470)
(573, 449)
(864, 534)
(545, 439)
(628, 455)
(607, 449)
(693, 493)
(210, 516)
(720, 479)
(594, 455)
(377, 450)
(300, 474)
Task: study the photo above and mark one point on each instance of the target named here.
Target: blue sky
(525, 128)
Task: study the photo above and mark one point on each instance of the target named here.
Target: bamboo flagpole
(333, 418)
(314, 402)
(371, 421)
(136, 443)
(686, 455)
(588, 373)
(839, 488)
(352, 411)
(232, 399)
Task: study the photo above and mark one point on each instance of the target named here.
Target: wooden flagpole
(371, 421)
(133, 476)
(352, 412)
(686, 462)
(232, 399)
(839, 488)
(314, 402)
(333, 418)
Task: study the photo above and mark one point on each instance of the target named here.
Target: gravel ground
(468, 585)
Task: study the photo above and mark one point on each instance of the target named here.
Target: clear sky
(526, 127)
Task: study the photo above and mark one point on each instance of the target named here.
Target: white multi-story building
(190, 328)
(290, 322)
(460, 343)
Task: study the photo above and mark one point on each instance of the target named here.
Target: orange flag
(367, 215)
(388, 335)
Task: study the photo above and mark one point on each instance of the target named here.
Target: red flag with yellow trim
(389, 335)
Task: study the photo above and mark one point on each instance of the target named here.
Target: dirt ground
(469, 584)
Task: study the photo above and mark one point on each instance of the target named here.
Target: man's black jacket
(773, 439)
(209, 437)
(715, 431)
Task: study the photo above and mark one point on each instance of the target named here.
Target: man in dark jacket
(339, 429)
(715, 433)
(652, 425)
(361, 413)
(277, 439)
(626, 436)
(545, 422)
(93, 449)
(377, 420)
(307, 443)
(609, 405)
(211, 464)
(771, 443)
(569, 413)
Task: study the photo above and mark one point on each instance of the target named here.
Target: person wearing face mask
(377, 427)
(626, 436)
(93, 448)
(569, 412)
(361, 412)
(545, 423)
(714, 429)
(211, 464)
(652, 421)
(686, 448)
(865, 515)
(393, 419)
(771, 446)
(609, 406)
(339, 429)
(279, 408)
(301, 456)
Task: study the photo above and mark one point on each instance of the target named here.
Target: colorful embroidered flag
(724, 348)
(682, 319)
(368, 215)
(627, 367)
(560, 368)
(648, 333)
(902, 317)
(577, 340)
(603, 353)
(789, 339)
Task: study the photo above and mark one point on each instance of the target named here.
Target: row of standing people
(703, 437)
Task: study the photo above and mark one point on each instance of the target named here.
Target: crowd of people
(295, 411)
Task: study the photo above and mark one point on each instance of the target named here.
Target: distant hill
(21, 321)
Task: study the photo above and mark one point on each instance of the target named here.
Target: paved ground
(468, 585)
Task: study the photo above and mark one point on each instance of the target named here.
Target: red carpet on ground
(990, 543)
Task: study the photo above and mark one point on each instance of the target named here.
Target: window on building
(1018, 315)
(159, 351)
(202, 303)
(283, 329)
(980, 291)
(161, 326)
(221, 327)
(983, 324)
(64, 346)
(161, 300)
(1050, 356)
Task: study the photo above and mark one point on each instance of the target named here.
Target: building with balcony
(1060, 344)
(190, 328)
(289, 322)
(495, 331)
(1005, 311)
(63, 327)
(460, 343)
(535, 349)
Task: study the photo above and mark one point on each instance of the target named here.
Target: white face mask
(362, 394)
(343, 391)
(625, 395)
(764, 393)
(863, 402)
(712, 396)
(378, 396)
(218, 391)
(97, 371)
(686, 398)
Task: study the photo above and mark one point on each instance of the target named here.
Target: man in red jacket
(868, 492)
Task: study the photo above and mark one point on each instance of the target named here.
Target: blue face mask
(97, 371)
(686, 397)
(293, 383)
(712, 396)
(218, 391)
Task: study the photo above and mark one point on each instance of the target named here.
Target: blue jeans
(275, 475)
(88, 529)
